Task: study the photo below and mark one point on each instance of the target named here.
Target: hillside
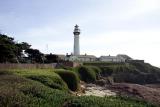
(136, 79)
(135, 72)
(48, 88)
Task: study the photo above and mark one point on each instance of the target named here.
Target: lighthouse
(76, 33)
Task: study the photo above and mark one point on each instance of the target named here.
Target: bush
(86, 74)
(97, 71)
(46, 76)
(106, 71)
(53, 82)
(17, 91)
(70, 78)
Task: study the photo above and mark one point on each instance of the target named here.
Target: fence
(26, 66)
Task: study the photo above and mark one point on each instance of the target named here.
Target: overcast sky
(112, 27)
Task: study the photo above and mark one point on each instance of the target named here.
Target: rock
(101, 82)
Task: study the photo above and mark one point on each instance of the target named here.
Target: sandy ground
(95, 90)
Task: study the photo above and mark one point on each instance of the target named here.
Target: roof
(86, 56)
(108, 57)
(124, 56)
(60, 55)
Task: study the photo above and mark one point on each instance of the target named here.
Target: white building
(76, 40)
(87, 58)
(112, 58)
(81, 58)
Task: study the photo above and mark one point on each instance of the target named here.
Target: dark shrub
(86, 74)
(51, 81)
(97, 71)
(70, 78)
(106, 71)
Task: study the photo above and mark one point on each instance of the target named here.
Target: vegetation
(70, 78)
(19, 91)
(20, 88)
(92, 101)
(9, 49)
(13, 52)
(34, 55)
(46, 76)
(50, 88)
(136, 72)
(101, 63)
(97, 71)
(86, 74)
(22, 92)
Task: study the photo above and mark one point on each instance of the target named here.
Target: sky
(108, 27)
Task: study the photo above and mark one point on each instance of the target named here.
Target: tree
(7, 53)
(20, 47)
(51, 58)
(23, 45)
(11, 51)
(8, 49)
(35, 55)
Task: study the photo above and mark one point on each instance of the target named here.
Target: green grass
(93, 101)
(136, 72)
(16, 89)
(70, 78)
(22, 92)
(101, 63)
(96, 70)
(46, 76)
(86, 74)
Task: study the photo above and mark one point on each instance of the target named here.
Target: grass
(97, 71)
(46, 76)
(22, 92)
(101, 63)
(16, 89)
(136, 72)
(70, 78)
(86, 74)
(93, 101)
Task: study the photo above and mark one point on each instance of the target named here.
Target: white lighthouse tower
(76, 33)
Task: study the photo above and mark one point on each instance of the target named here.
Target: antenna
(47, 48)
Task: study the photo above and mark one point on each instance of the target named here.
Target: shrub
(70, 78)
(86, 74)
(17, 91)
(51, 81)
(97, 71)
(46, 76)
(106, 71)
